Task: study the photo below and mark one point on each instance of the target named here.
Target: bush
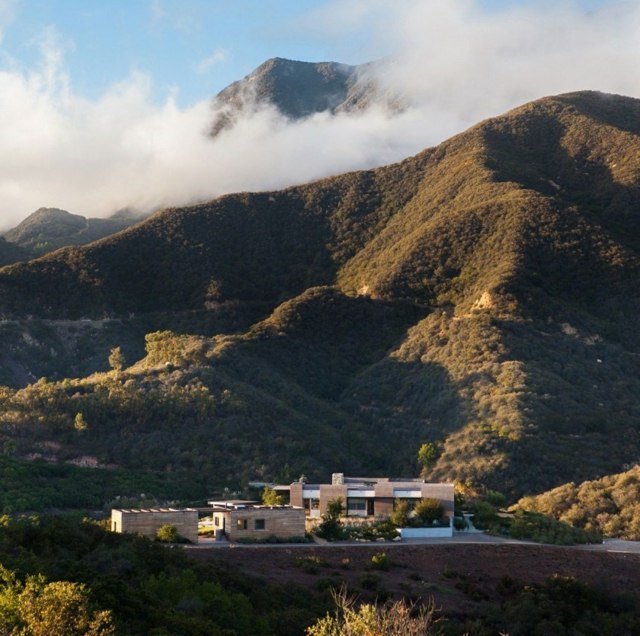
(537, 527)
(168, 534)
(484, 515)
(372, 531)
(394, 618)
(428, 510)
(331, 529)
(311, 564)
(460, 523)
(400, 515)
(380, 561)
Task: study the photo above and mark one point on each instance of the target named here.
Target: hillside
(610, 505)
(48, 229)
(10, 253)
(482, 295)
(300, 89)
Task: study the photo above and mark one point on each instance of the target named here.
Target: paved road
(611, 545)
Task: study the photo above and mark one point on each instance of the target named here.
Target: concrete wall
(147, 522)
(329, 492)
(283, 523)
(426, 533)
(295, 494)
(443, 492)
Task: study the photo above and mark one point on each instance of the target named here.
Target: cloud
(158, 12)
(8, 10)
(454, 61)
(204, 66)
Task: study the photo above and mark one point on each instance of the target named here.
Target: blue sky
(105, 104)
(192, 47)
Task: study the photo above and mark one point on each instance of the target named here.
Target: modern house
(147, 521)
(247, 520)
(366, 496)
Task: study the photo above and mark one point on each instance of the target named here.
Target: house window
(356, 507)
(216, 521)
(259, 524)
(241, 524)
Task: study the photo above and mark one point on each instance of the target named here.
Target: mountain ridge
(300, 89)
(503, 262)
(49, 229)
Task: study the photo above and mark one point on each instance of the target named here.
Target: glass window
(357, 507)
(259, 524)
(241, 524)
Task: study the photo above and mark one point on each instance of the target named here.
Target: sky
(104, 104)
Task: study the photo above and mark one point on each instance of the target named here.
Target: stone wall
(147, 521)
(262, 522)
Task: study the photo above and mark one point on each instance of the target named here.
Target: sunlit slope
(482, 295)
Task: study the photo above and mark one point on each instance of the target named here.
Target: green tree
(167, 534)
(335, 509)
(38, 608)
(271, 498)
(427, 455)
(79, 423)
(116, 359)
(429, 510)
(374, 620)
(331, 528)
(400, 515)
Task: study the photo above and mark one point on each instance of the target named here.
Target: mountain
(10, 253)
(301, 89)
(610, 505)
(48, 229)
(482, 295)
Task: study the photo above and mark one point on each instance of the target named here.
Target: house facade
(239, 521)
(367, 497)
(147, 521)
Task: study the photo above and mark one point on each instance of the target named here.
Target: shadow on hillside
(580, 244)
(403, 405)
(613, 110)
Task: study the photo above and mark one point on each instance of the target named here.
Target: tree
(167, 534)
(79, 423)
(427, 455)
(429, 510)
(400, 515)
(38, 608)
(271, 498)
(116, 359)
(331, 528)
(374, 620)
(335, 509)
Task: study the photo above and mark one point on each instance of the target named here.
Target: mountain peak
(300, 89)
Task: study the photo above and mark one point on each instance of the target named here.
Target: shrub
(167, 534)
(400, 515)
(311, 564)
(331, 529)
(380, 561)
(484, 515)
(429, 510)
(394, 618)
(460, 523)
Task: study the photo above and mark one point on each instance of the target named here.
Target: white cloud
(457, 63)
(218, 56)
(7, 14)
(158, 12)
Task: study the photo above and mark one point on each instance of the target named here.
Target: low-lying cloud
(454, 62)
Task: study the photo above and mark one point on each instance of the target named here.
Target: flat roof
(233, 502)
(217, 508)
(154, 510)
